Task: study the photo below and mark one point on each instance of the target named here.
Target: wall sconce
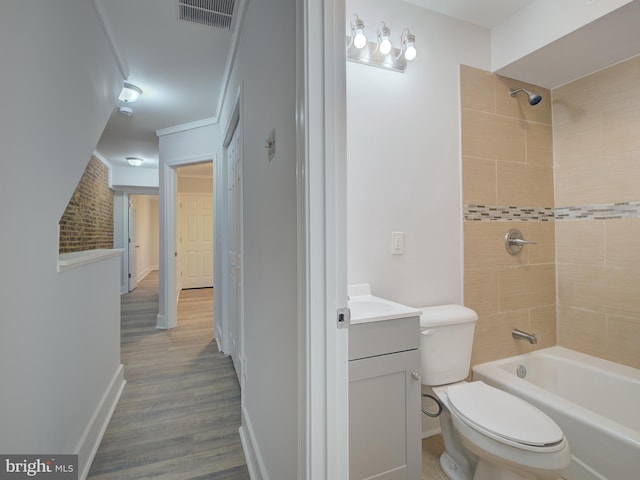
(129, 93)
(134, 161)
(380, 53)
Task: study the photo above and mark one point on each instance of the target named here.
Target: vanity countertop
(369, 308)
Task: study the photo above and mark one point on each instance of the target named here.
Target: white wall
(59, 347)
(265, 73)
(403, 155)
(129, 176)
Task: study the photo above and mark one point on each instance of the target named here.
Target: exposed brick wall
(87, 223)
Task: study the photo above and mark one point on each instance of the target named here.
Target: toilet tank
(446, 339)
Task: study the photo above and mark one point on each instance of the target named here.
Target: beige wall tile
(539, 140)
(623, 340)
(578, 141)
(478, 181)
(545, 250)
(581, 242)
(525, 185)
(622, 236)
(581, 286)
(620, 129)
(476, 89)
(492, 136)
(614, 179)
(493, 336)
(484, 244)
(599, 288)
(518, 105)
(481, 289)
(582, 330)
(527, 286)
(620, 293)
(543, 324)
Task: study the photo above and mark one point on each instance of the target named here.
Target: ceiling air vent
(213, 13)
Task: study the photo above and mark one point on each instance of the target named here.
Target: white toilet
(488, 434)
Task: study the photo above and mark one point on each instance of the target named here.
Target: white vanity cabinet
(384, 400)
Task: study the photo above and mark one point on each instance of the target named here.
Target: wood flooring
(179, 413)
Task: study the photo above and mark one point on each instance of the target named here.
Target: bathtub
(596, 403)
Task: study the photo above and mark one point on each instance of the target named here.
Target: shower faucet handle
(514, 241)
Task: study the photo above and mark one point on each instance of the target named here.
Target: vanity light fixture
(380, 53)
(129, 93)
(134, 161)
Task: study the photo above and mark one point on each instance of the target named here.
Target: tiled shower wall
(507, 174)
(596, 132)
(513, 167)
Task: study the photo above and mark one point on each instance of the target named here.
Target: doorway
(194, 226)
(143, 237)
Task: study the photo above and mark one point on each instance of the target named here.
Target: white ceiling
(179, 66)
(486, 13)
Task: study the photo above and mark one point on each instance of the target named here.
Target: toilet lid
(486, 408)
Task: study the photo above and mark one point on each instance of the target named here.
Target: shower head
(534, 98)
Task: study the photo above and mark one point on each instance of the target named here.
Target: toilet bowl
(511, 438)
(488, 434)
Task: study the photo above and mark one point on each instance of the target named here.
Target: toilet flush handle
(428, 331)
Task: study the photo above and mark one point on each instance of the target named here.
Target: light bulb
(410, 52)
(384, 44)
(360, 40)
(408, 42)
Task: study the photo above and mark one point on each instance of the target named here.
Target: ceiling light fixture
(129, 93)
(134, 161)
(380, 53)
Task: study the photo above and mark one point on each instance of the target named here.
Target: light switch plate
(397, 243)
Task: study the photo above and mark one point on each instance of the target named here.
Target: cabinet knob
(416, 376)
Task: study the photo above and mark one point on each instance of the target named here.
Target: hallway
(179, 413)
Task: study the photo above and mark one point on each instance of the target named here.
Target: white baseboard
(255, 464)
(218, 337)
(88, 445)
(145, 272)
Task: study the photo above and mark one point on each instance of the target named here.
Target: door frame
(322, 274)
(224, 326)
(167, 206)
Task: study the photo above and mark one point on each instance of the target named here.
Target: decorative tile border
(494, 213)
(605, 211)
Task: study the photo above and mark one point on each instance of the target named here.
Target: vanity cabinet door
(384, 417)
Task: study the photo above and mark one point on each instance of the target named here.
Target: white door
(234, 199)
(133, 246)
(196, 240)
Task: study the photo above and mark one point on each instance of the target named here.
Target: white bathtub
(596, 403)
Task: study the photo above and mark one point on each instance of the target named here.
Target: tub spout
(520, 335)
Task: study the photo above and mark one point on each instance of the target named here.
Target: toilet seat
(504, 417)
